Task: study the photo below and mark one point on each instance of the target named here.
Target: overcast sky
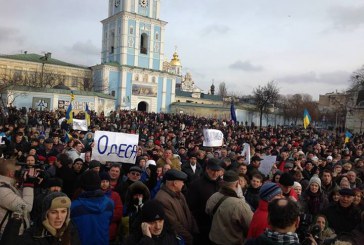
(306, 46)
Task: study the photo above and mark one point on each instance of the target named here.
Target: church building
(133, 67)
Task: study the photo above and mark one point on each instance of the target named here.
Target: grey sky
(306, 46)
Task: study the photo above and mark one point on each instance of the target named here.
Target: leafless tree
(264, 97)
(222, 90)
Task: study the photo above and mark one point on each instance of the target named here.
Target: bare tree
(223, 90)
(265, 96)
(357, 78)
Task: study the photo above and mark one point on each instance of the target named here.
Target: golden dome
(175, 61)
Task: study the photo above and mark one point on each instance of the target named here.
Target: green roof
(60, 91)
(40, 59)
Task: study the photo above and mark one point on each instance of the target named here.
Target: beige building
(345, 110)
(35, 70)
(355, 112)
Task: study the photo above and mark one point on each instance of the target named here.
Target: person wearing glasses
(133, 175)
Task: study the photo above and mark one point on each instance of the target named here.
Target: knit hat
(230, 176)
(152, 211)
(269, 190)
(54, 182)
(104, 176)
(53, 201)
(90, 181)
(296, 184)
(78, 160)
(94, 164)
(315, 179)
(286, 179)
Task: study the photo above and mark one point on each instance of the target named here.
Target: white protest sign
(2, 135)
(266, 164)
(79, 124)
(115, 147)
(246, 153)
(213, 137)
(61, 120)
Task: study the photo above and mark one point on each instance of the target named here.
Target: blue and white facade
(132, 57)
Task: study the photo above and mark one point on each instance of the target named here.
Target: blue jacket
(92, 213)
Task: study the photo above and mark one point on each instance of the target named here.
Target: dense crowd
(178, 191)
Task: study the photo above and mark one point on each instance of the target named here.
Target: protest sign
(213, 137)
(115, 147)
(79, 124)
(266, 164)
(246, 152)
(61, 120)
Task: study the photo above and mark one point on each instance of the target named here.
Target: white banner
(61, 120)
(266, 164)
(213, 137)
(79, 124)
(115, 147)
(246, 153)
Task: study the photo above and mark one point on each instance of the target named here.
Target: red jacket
(118, 213)
(260, 220)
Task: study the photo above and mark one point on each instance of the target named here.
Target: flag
(232, 112)
(67, 138)
(306, 118)
(69, 112)
(348, 135)
(88, 115)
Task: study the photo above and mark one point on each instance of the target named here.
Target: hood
(94, 201)
(137, 187)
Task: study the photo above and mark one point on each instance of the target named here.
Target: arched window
(112, 42)
(144, 43)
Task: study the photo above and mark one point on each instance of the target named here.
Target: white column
(124, 40)
(136, 6)
(137, 43)
(123, 88)
(164, 94)
(161, 36)
(158, 9)
(151, 46)
(173, 92)
(151, 7)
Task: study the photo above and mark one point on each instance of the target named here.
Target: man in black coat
(199, 192)
(343, 216)
(192, 169)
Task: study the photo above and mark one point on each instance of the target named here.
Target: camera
(306, 229)
(25, 168)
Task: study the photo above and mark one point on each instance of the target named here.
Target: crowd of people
(178, 191)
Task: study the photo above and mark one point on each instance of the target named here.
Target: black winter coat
(342, 219)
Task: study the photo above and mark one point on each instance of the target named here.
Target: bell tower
(132, 57)
(133, 34)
